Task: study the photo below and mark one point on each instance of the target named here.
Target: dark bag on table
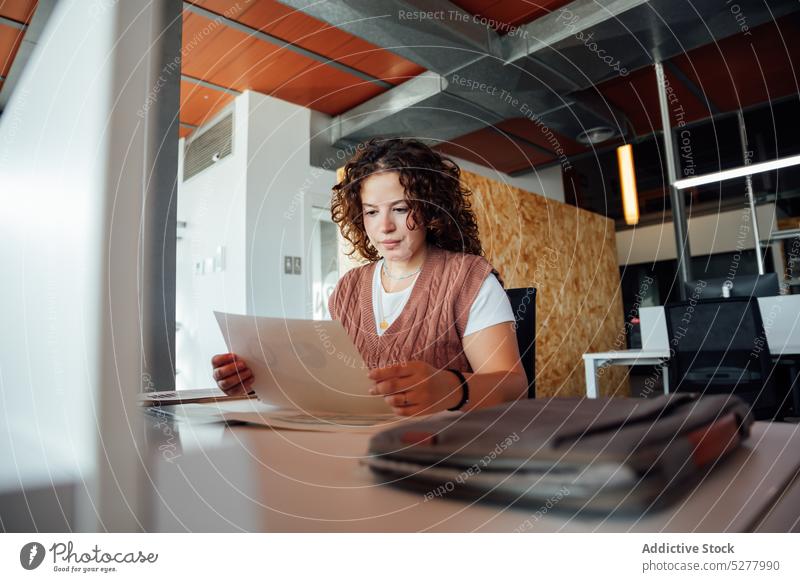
(606, 454)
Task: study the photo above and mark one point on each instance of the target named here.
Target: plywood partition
(570, 256)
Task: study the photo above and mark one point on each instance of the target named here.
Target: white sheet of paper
(311, 366)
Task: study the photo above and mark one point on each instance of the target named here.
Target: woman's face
(387, 218)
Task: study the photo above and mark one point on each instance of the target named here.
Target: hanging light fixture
(627, 179)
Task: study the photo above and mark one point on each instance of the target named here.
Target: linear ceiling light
(627, 180)
(737, 172)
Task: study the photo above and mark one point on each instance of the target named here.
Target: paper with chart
(304, 367)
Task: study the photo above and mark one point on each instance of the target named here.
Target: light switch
(219, 259)
(288, 265)
(297, 265)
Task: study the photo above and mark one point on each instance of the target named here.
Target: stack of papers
(308, 375)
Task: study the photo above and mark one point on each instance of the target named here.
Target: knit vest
(431, 325)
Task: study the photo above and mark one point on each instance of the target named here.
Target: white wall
(710, 234)
(72, 160)
(282, 186)
(257, 204)
(548, 182)
(213, 206)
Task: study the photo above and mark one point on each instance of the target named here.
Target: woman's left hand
(416, 388)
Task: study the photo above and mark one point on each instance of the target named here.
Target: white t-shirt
(491, 305)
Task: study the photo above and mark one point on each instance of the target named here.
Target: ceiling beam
(13, 23)
(690, 85)
(209, 85)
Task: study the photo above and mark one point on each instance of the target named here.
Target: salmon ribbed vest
(430, 326)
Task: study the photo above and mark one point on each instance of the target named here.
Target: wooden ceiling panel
(19, 10)
(10, 39)
(531, 132)
(745, 70)
(205, 43)
(372, 60)
(199, 104)
(233, 59)
(309, 33)
(636, 95)
(492, 148)
(330, 92)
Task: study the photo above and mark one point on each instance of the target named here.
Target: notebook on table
(191, 396)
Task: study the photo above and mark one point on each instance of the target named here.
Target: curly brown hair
(432, 182)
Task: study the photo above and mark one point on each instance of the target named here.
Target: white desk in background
(780, 314)
(249, 478)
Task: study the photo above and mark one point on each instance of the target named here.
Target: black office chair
(523, 303)
(719, 346)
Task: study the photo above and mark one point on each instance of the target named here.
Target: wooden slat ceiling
(231, 58)
(19, 11)
(505, 14)
(297, 28)
(735, 72)
(496, 149)
(10, 39)
(199, 104)
(510, 146)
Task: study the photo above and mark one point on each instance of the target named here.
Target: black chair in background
(523, 303)
(718, 346)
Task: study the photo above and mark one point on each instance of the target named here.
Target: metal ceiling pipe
(676, 196)
(549, 29)
(552, 64)
(386, 104)
(469, 55)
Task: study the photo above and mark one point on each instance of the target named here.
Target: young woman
(427, 313)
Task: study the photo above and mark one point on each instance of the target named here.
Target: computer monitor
(738, 286)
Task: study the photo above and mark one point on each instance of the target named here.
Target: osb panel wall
(570, 256)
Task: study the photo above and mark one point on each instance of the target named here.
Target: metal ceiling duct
(544, 70)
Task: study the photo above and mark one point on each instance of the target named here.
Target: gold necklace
(402, 277)
(384, 324)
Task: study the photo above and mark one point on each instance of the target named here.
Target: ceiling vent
(209, 147)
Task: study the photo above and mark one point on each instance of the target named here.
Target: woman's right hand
(232, 374)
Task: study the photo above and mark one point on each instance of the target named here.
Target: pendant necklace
(384, 324)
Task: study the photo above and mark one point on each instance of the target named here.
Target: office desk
(780, 314)
(592, 362)
(249, 478)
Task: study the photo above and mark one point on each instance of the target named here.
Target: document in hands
(305, 369)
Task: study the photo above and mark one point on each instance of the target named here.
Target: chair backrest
(719, 346)
(523, 303)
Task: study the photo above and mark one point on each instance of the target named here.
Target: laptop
(191, 396)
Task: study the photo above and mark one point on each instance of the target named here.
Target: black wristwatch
(464, 389)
